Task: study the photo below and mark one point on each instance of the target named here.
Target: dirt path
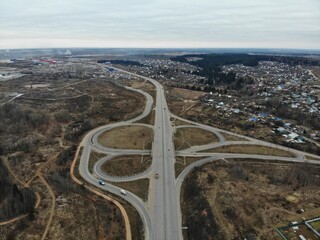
(24, 184)
(22, 216)
(31, 179)
(53, 197)
(42, 179)
(12, 220)
(60, 139)
(53, 205)
(311, 73)
(38, 199)
(186, 110)
(13, 175)
(122, 210)
(223, 224)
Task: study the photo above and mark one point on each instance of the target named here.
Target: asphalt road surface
(161, 214)
(163, 204)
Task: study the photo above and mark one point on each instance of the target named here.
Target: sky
(160, 23)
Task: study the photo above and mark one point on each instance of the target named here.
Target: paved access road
(161, 214)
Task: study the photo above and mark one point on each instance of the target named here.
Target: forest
(14, 201)
(199, 217)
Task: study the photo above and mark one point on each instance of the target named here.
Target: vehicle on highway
(101, 182)
(123, 192)
(156, 175)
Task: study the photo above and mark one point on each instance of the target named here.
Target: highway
(161, 214)
(162, 203)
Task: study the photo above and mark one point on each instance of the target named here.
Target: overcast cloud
(160, 23)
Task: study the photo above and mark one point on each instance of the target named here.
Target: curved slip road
(161, 215)
(97, 169)
(88, 144)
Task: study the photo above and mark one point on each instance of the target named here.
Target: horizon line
(172, 48)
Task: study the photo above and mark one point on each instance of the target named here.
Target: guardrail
(311, 228)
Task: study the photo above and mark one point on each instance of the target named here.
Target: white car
(123, 192)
